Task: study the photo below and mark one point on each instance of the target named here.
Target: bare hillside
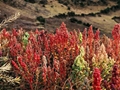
(42, 14)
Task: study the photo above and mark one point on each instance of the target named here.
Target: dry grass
(55, 8)
(9, 19)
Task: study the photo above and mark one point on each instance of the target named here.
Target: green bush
(68, 8)
(5, 1)
(105, 11)
(73, 20)
(82, 4)
(79, 22)
(92, 14)
(82, 14)
(61, 15)
(41, 20)
(43, 2)
(31, 1)
(118, 2)
(60, 1)
(86, 24)
(71, 13)
(104, 2)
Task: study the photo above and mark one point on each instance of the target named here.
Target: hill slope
(30, 11)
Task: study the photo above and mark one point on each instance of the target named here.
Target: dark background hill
(49, 14)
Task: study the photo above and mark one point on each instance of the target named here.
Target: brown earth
(29, 12)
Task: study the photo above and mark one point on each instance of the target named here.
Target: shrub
(104, 2)
(71, 13)
(31, 1)
(118, 2)
(79, 22)
(82, 14)
(82, 4)
(52, 6)
(73, 20)
(60, 1)
(105, 11)
(43, 2)
(92, 14)
(61, 15)
(5, 1)
(86, 24)
(68, 7)
(41, 19)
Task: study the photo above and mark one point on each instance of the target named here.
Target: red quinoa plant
(45, 61)
(59, 49)
(116, 43)
(115, 80)
(96, 79)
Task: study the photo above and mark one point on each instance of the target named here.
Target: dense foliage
(61, 61)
